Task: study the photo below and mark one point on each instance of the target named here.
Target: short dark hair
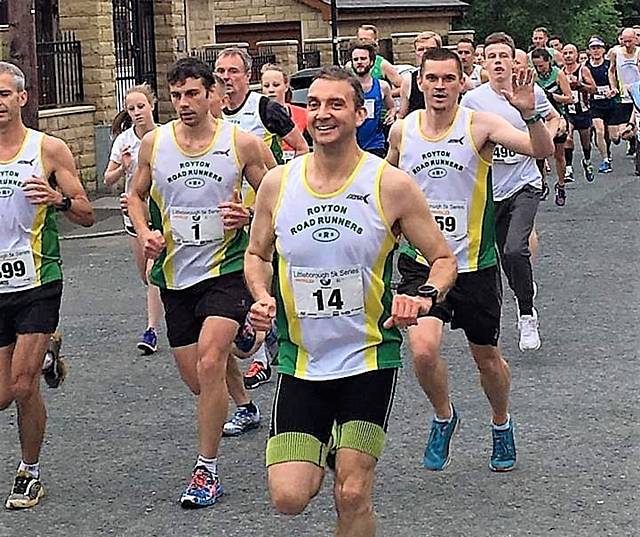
(191, 67)
(363, 44)
(332, 72)
(500, 38)
(440, 55)
(556, 37)
(466, 40)
(542, 53)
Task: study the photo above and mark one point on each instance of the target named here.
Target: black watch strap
(64, 205)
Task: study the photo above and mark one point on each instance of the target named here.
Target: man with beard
(517, 182)
(377, 96)
(447, 149)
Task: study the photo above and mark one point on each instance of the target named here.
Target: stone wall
(399, 23)
(201, 23)
(92, 22)
(255, 11)
(4, 42)
(76, 126)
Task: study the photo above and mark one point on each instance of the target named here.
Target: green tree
(574, 20)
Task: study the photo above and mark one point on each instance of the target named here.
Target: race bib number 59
(323, 293)
(17, 268)
(196, 226)
(451, 217)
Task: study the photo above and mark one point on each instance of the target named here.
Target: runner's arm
(59, 161)
(391, 74)
(588, 83)
(389, 103)
(258, 269)
(395, 137)
(406, 208)
(252, 154)
(297, 141)
(405, 90)
(613, 76)
(537, 142)
(566, 97)
(141, 185)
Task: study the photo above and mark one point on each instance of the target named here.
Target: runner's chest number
(196, 226)
(324, 293)
(17, 268)
(451, 217)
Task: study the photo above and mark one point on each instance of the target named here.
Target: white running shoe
(529, 336)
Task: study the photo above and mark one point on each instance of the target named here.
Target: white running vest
(627, 71)
(456, 181)
(29, 248)
(334, 275)
(186, 191)
(476, 76)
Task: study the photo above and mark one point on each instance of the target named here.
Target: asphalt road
(121, 438)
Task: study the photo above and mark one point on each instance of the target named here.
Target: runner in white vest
(517, 182)
(334, 217)
(192, 169)
(38, 178)
(447, 149)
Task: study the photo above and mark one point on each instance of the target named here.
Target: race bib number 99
(451, 217)
(196, 226)
(322, 293)
(17, 268)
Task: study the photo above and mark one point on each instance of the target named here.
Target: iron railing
(265, 56)
(309, 57)
(60, 71)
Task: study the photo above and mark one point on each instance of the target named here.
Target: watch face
(427, 291)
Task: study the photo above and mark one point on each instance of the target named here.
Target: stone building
(124, 42)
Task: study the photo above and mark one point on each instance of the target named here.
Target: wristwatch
(428, 291)
(533, 119)
(64, 205)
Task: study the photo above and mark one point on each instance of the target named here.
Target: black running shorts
(186, 309)
(580, 121)
(305, 411)
(473, 304)
(33, 311)
(608, 115)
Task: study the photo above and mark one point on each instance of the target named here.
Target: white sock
(33, 469)
(209, 464)
(261, 356)
(504, 426)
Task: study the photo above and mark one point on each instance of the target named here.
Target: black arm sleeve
(275, 117)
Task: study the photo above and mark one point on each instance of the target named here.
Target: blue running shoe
(437, 454)
(605, 167)
(204, 490)
(243, 420)
(148, 344)
(246, 337)
(503, 457)
(588, 171)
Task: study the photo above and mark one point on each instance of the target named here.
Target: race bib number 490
(17, 268)
(451, 217)
(196, 226)
(506, 156)
(323, 293)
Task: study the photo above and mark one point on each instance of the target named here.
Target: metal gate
(134, 37)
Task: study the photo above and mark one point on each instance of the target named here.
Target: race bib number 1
(17, 268)
(196, 226)
(322, 293)
(451, 217)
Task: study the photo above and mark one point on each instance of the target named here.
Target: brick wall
(4, 42)
(76, 126)
(394, 23)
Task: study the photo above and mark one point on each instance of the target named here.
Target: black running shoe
(26, 492)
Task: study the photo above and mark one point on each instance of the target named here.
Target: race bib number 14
(323, 293)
